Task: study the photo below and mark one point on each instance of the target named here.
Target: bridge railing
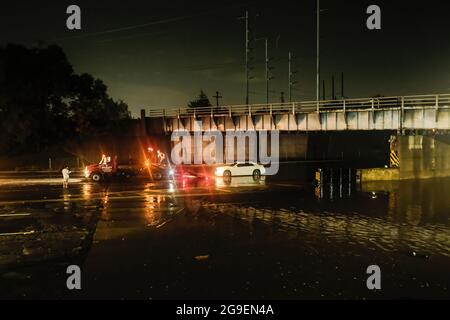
(342, 105)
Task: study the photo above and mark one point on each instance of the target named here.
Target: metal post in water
(331, 184)
(318, 56)
(349, 182)
(319, 184)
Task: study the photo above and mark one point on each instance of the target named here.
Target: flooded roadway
(238, 239)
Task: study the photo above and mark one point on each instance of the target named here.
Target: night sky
(162, 53)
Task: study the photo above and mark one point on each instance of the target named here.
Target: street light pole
(267, 72)
(318, 57)
(290, 76)
(247, 67)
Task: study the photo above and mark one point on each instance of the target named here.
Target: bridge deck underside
(418, 118)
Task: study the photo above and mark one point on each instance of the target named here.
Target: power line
(150, 23)
(137, 26)
(132, 36)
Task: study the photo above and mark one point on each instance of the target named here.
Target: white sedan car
(241, 169)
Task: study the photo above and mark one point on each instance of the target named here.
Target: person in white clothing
(66, 176)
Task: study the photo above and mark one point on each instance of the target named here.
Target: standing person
(66, 175)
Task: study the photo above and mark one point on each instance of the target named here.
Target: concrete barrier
(378, 174)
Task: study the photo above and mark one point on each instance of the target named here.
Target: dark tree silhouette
(201, 102)
(44, 102)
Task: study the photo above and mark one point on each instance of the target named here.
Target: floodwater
(238, 239)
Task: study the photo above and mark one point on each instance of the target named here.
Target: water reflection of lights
(105, 214)
(38, 181)
(86, 191)
(151, 206)
(66, 197)
(157, 210)
(106, 196)
(150, 202)
(350, 229)
(240, 182)
(148, 187)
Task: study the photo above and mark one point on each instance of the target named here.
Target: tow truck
(110, 167)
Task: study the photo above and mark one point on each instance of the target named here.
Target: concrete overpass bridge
(420, 112)
(411, 133)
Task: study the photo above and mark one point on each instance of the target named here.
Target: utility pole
(282, 97)
(318, 56)
(291, 77)
(267, 72)
(218, 97)
(248, 58)
(324, 97)
(342, 85)
(247, 54)
(333, 96)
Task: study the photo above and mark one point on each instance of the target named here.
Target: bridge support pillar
(423, 156)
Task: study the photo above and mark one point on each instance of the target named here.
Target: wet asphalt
(215, 239)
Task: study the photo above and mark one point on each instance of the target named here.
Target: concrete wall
(423, 157)
(418, 118)
(377, 174)
(291, 147)
(361, 148)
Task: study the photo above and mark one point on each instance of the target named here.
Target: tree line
(43, 102)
